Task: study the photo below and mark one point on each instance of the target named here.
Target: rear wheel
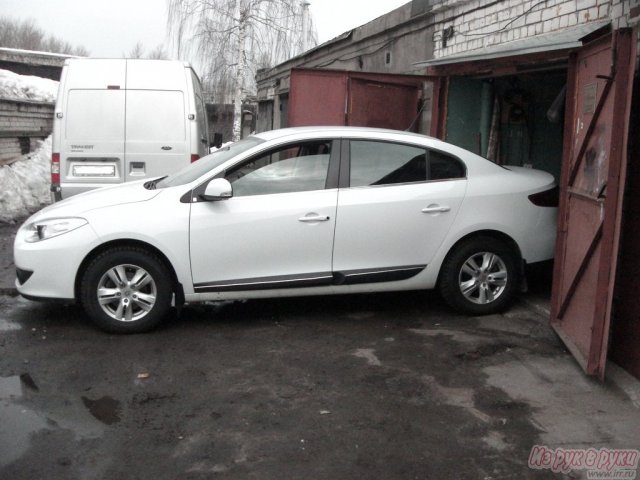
(480, 276)
(126, 290)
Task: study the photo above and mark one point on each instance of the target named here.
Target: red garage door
(592, 187)
(383, 104)
(338, 97)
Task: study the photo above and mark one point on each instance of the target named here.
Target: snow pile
(26, 87)
(24, 185)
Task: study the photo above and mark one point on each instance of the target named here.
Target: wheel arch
(124, 243)
(498, 235)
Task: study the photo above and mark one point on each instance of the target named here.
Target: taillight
(548, 198)
(194, 157)
(55, 169)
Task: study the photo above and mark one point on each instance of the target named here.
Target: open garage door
(592, 188)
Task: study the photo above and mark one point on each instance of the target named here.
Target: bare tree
(158, 53)
(233, 38)
(136, 52)
(27, 35)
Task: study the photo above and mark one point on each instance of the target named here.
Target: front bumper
(54, 263)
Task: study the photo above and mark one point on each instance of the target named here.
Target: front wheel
(126, 290)
(480, 276)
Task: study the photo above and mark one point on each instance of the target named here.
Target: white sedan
(292, 212)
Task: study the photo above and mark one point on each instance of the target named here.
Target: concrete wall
(478, 24)
(26, 62)
(21, 124)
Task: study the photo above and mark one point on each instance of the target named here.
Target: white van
(121, 120)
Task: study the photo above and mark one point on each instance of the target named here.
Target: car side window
(384, 163)
(296, 167)
(445, 167)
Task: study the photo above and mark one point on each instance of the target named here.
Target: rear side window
(445, 167)
(381, 163)
(384, 163)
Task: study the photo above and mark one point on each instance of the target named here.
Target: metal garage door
(592, 187)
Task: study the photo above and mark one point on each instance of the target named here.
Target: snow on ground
(27, 87)
(24, 185)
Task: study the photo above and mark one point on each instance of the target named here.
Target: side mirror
(218, 189)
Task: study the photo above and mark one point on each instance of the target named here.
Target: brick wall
(478, 24)
(22, 123)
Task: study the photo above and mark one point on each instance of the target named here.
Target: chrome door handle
(435, 209)
(313, 218)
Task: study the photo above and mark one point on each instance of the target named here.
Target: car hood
(100, 198)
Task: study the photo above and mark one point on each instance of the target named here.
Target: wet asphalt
(368, 386)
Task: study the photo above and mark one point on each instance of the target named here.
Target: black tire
(492, 262)
(126, 307)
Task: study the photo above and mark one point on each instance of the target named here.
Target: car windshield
(208, 163)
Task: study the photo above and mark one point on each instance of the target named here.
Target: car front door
(277, 229)
(400, 202)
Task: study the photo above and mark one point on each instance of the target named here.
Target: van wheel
(126, 290)
(480, 276)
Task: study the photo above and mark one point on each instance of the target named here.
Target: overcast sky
(110, 28)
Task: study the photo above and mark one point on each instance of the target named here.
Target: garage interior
(511, 120)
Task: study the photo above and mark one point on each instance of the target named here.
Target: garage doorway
(511, 120)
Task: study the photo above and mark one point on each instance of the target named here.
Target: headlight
(43, 229)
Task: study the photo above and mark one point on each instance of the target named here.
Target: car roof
(333, 131)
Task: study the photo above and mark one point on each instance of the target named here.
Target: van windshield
(208, 163)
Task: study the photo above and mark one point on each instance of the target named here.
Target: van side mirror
(217, 189)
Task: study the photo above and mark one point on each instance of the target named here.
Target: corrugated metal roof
(570, 37)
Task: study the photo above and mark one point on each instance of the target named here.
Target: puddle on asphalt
(12, 388)
(105, 409)
(23, 413)
(17, 423)
(7, 326)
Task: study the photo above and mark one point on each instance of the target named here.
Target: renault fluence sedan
(293, 212)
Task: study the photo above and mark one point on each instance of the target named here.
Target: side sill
(64, 301)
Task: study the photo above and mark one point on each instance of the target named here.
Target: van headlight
(43, 229)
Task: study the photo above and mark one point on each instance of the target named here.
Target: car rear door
(399, 204)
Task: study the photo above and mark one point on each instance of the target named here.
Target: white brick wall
(511, 20)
